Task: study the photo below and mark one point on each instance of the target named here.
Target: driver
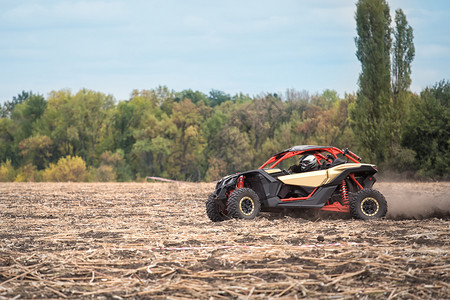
(306, 163)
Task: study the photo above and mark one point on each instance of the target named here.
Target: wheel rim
(370, 206)
(247, 206)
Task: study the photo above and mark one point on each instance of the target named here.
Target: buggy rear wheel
(243, 203)
(368, 204)
(214, 211)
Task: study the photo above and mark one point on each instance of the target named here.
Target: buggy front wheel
(215, 212)
(243, 203)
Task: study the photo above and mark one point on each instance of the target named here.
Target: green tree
(235, 149)
(186, 158)
(122, 124)
(136, 119)
(259, 118)
(218, 97)
(56, 124)
(20, 124)
(6, 140)
(211, 128)
(403, 52)
(93, 110)
(77, 123)
(194, 96)
(8, 107)
(371, 111)
(427, 131)
(147, 121)
(332, 125)
(36, 150)
(26, 113)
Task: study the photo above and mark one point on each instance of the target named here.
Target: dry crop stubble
(154, 240)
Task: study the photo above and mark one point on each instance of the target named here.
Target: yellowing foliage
(68, 168)
(7, 172)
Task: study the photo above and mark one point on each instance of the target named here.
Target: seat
(337, 162)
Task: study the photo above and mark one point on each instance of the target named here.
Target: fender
(339, 173)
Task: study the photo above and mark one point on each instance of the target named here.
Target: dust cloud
(416, 200)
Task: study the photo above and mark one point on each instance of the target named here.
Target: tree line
(188, 135)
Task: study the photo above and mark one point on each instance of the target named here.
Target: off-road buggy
(341, 183)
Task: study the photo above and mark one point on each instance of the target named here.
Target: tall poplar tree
(403, 52)
(370, 114)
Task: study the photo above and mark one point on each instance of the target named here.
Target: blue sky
(233, 46)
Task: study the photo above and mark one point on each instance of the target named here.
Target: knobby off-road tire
(213, 210)
(368, 204)
(243, 204)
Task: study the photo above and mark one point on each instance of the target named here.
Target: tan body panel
(271, 171)
(318, 178)
(335, 171)
(311, 179)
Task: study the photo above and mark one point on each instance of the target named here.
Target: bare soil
(154, 240)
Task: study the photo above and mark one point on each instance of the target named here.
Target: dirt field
(154, 240)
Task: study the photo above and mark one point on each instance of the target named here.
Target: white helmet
(308, 163)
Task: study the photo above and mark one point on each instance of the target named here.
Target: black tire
(213, 210)
(243, 204)
(368, 204)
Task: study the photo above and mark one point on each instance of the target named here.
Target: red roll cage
(314, 150)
